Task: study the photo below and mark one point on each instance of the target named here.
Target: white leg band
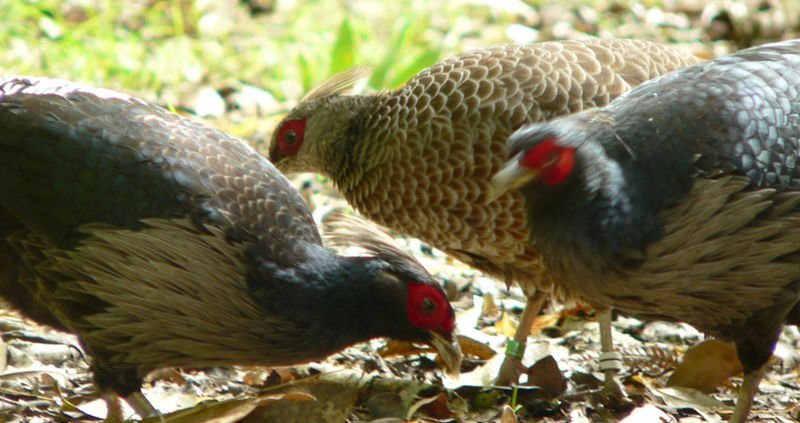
(611, 361)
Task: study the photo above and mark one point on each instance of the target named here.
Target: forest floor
(239, 66)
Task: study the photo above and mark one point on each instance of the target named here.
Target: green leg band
(515, 348)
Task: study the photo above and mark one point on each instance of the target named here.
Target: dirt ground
(672, 373)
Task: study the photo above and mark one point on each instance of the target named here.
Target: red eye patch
(555, 162)
(427, 308)
(290, 137)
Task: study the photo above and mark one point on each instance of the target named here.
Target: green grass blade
(344, 48)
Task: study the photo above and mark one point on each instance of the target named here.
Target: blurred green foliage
(167, 50)
(159, 48)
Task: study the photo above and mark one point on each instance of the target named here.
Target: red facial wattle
(427, 308)
(554, 162)
(290, 137)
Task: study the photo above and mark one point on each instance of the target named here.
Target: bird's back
(737, 115)
(74, 158)
(72, 155)
(428, 150)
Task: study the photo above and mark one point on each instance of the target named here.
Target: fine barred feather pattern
(150, 320)
(342, 229)
(348, 82)
(418, 159)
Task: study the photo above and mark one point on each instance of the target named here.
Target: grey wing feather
(72, 155)
(738, 114)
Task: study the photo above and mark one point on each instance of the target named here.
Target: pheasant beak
(511, 176)
(449, 351)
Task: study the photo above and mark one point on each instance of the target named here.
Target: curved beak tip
(449, 351)
(509, 177)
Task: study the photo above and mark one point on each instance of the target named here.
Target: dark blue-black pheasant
(679, 200)
(163, 242)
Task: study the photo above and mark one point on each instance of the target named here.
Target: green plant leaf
(420, 61)
(378, 77)
(344, 48)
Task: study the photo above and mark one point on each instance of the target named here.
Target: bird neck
(337, 300)
(362, 141)
(605, 213)
(577, 223)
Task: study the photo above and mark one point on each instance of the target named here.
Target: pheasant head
(326, 114)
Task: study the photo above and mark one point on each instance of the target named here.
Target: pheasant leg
(137, 401)
(610, 360)
(141, 405)
(113, 408)
(515, 350)
(746, 394)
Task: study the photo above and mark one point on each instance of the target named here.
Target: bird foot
(613, 395)
(512, 367)
(142, 406)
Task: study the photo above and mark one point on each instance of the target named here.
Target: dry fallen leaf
(468, 345)
(435, 407)
(546, 375)
(680, 397)
(255, 377)
(706, 366)
(508, 415)
(647, 413)
(472, 347)
(394, 347)
(3, 355)
(507, 325)
(490, 307)
(544, 321)
(226, 411)
(279, 376)
(482, 375)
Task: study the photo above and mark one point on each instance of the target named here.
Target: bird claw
(509, 372)
(613, 394)
(612, 387)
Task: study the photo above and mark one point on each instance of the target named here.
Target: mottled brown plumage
(162, 242)
(419, 159)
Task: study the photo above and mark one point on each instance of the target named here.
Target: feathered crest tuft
(346, 230)
(348, 82)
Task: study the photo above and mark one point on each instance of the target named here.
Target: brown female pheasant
(419, 159)
(163, 242)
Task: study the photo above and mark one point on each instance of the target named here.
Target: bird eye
(290, 137)
(427, 306)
